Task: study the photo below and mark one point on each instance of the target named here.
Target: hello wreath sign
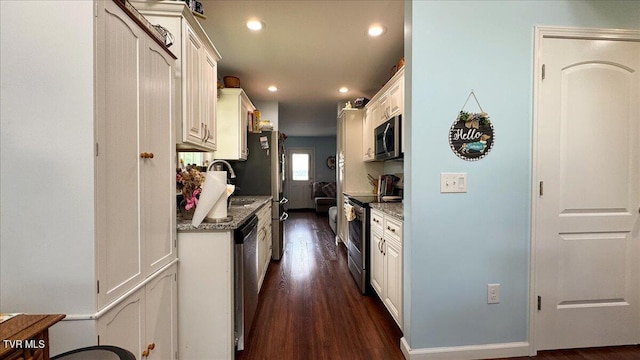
(471, 136)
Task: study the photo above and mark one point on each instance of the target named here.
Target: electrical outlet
(493, 293)
(453, 182)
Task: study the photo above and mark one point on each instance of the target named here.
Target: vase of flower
(189, 182)
(186, 214)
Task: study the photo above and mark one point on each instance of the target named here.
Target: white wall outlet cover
(453, 182)
(493, 293)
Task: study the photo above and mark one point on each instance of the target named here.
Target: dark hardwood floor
(310, 308)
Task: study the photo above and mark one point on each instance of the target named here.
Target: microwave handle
(384, 137)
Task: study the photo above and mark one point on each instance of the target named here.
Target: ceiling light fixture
(255, 25)
(377, 30)
(343, 90)
(272, 88)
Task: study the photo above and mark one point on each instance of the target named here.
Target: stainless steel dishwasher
(246, 278)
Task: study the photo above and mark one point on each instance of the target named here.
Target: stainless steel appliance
(388, 144)
(358, 240)
(263, 174)
(246, 278)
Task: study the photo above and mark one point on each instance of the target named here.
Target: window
(190, 158)
(300, 167)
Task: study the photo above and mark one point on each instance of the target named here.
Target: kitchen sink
(241, 202)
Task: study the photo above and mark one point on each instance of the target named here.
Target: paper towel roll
(215, 185)
(219, 210)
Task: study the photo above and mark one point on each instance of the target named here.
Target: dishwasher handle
(245, 229)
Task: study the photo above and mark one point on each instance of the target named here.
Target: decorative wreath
(471, 136)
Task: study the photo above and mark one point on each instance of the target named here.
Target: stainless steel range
(358, 240)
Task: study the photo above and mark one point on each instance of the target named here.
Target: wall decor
(471, 136)
(331, 162)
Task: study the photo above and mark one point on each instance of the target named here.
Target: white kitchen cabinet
(145, 323)
(206, 295)
(264, 242)
(377, 258)
(102, 233)
(368, 146)
(386, 262)
(234, 111)
(196, 73)
(388, 101)
(352, 171)
(135, 156)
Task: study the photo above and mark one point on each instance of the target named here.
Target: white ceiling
(308, 50)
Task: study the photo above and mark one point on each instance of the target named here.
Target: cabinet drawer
(393, 227)
(376, 219)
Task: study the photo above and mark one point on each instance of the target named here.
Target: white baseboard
(470, 352)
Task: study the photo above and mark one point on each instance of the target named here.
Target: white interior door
(301, 177)
(586, 220)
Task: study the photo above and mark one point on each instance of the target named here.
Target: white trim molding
(468, 352)
(96, 316)
(540, 33)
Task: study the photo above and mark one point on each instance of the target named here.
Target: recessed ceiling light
(377, 30)
(343, 90)
(255, 25)
(272, 88)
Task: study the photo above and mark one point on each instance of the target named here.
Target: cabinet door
(246, 112)
(383, 109)
(393, 280)
(367, 136)
(161, 315)
(123, 325)
(119, 47)
(191, 66)
(396, 97)
(209, 98)
(158, 228)
(377, 262)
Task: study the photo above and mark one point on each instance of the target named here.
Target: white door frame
(542, 32)
(312, 167)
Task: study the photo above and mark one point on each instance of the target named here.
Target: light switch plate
(453, 182)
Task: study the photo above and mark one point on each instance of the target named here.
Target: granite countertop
(395, 209)
(240, 214)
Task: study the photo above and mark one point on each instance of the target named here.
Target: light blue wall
(324, 146)
(455, 244)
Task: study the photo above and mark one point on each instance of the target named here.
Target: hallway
(310, 307)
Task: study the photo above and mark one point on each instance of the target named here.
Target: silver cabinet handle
(284, 217)
(283, 201)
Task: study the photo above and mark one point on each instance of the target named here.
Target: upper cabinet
(385, 104)
(196, 73)
(234, 113)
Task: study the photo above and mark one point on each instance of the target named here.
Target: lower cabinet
(386, 262)
(145, 322)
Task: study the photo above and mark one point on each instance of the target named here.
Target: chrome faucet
(218, 167)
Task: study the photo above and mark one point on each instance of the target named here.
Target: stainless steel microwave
(388, 144)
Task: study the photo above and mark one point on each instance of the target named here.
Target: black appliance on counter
(263, 174)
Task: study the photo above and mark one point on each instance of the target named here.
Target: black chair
(99, 352)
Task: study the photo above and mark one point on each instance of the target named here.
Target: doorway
(586, 197)
(301, 177)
